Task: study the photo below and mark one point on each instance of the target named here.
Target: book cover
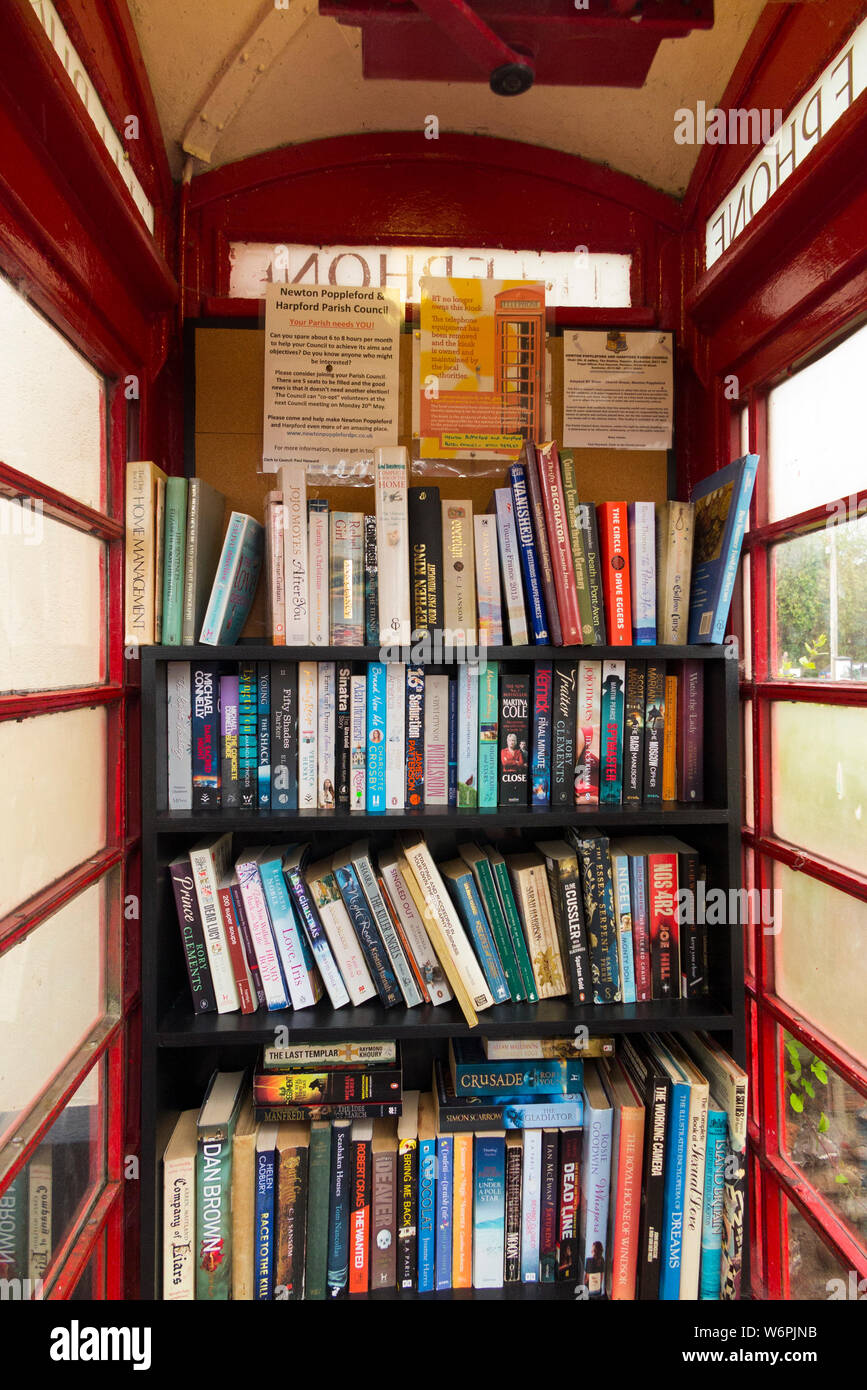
(383, 1224)
(293, 485)
(690, 736)
(616, 579)
(436, 743)
(284, 736)
(722, 508)
(371, 584)
(514, 739)
(488, 581)
(248, 754)
(540, 765)
(627, 1143)
(633, 734)
(179, 735)
(530, 464)
(654, 731)
(675, 523)
(468, 734)
(415, 735)
(642, 568)
(263, 734)
(395, 730)
(326, 788)
(590, 536)
(205, 510)
(588, 734)
(275, 568)
(205, 734)
(346, 568)
(536, 607)
(392, 543)
(192, 936)
(358, 744)
(564, 714)
(510, 566)
(549, 1206)
(426, 560)
(343, 737)
(459, 582)
(308, 735)
(360, 1205)
(376, 734)
(611, 733)
(235, 582)
(318, 1202)
(489, 1210)
(560, 543)
(318, 570)
(595, 1182)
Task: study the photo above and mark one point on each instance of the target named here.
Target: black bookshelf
(180, 1050)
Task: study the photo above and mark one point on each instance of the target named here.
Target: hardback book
(192, 935)
(642, 570)
(528, 874)
(669, 752)
(248, 760)
(595, 1182)
(327, 904)
(215, 1126)
(284, 736)
(205, 734)
(696, 1152)
(690, 732)
(712, 1205)
(592, 846)
(371, 583)
(445, 1207)
(340, 1198)
(300, 973)
(308, 735)
(261, 932)
(588, 736)
(343, 737)
(361, 859)
(468, 734)
(540, 760)
(488, 581)
(235, 581)
(568, 1194)
(510, 566)
(627, 1146)
(611, 733)
(675, 524)
(293, 485)
(244, 1202)
(514, 739)
(290, 1210)
(319, 571)
(653, 1085)
(483, 875)
(247, 940)
(564, 713)
(633, 733)
(435, 745)
(415, 735)
(728, 1080)
(179, 1210)
(654, 731)
(426, 560)
(205, 510)
(462, 1211)
(459, 581)
(576, 535)
(209, 863)
(407, 1192)
(536, 607)
(395, 735)
(376, 735)
(337, 978)
(514, 1186)
(623, 917)
(590, 536)
(142, 576)
(560, 543)
(383, 1226)
(549, 1205)
(358, 744)
(326, 777)
(318, 1201)
(458, 878)
(275, 568)
(266, 1183)
(346, 562)
(489, 1209)
(174, 552)
(263, 734)
(179, 740)
(468, 1114)
(392, 543)
(412, 924)
(567, 900)
(616, 579)
(360, 920)
(360, 1208)
(530, 462)
(531, 1195)
(473, 1074)
(676, 1154)
(722, 508)
(427, 1193)
(517, 939)
(231, 926)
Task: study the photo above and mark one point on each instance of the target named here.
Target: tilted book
(302, 977)
(342, 940)
(510, 566)
(577, 537)
(294, 862)
(722, 509)
(209, 862)
(543, 551)
(235, 582)
(205, 510)
(537, 610)
(261, 933)
(361, 921)
(559, 542)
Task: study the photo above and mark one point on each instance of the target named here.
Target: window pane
(813, 420)
(749, 880)
(747, 807)
(819, 779)
(41, 1024)
(823, 1122)
(89, 1286)
(51, 403)
(54, 775)
(813, 1271)
(747, 617)
(820, 950)
(820, 585)
(50, 1198)
(51, 628)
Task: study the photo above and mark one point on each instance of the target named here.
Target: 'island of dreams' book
(722, 506)
(392, 539)
(235, 581)
(459, 570)
(293, 485)
(426, 559)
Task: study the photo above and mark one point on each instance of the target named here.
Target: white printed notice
(618, 390)
(331, 374)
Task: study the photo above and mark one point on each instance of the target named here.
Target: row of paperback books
(538, 567)
(376, 737)
(595, 920)
(620, 1173)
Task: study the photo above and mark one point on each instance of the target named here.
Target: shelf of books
(442, 992)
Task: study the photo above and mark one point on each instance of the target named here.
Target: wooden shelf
(265, 651)
(538, 818)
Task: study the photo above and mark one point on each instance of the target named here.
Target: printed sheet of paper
(618, 390)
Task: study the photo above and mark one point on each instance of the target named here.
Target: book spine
(358, 744)
(360, 1216)
(179, 1229)
(671, 1259)
(427, 1214)
(463, 891)
(444, 1209)
(343, 739)
(376, 734)
(318, 568)
(407, 1214)
(415, 736)
(568, 1203)
(531, 1207)
(160, 556)
(669, 768)
(318, 1199)
(640, 928)
(306, 1114)
(337, 1270)
(175, 528)
(516, 933)
(468, 735)
(564, 717)
(453, 742)
(510, 567)
(611, 733)
(707, 621)
(614, 545)
(364, 926)
(512, 1242)
(566, 895)
(579, 555)
(691, 732)
(489, 1211)
(205, 878)
(383, 1230)
(623, 916)
(247, 942)
(259, 923)
(392, 545)
(234, 583)
(284, 737)
(543, 552)
(308, 729)
(642, 568)
(179, 742)
(326, 736)
(689, 929)
(529, 563)
(662, 916)
(415, 933)
(290, 1223)
(625, 1202)
(712, 1207)
(347, 579)
(426, 559)
(540, 766)
(371, 590)
(236, 949)
(595, 1194)
(340, 1086)
(293, 483)
(459, 588)
(213, 1219)
(489, 707)
(436, 743)
(448, 937)
(384, 925)
(514, 739)
(561, 546)
(189, 630)
(292, 948)
(549, 1206)
(275, 567)
(590, 534)
(488, 582)
(633, 736)
(313, 1056)
(493, 912)
(263, 734)
(546, 1077)
(674, 568)
(140, 555)
(734, 1199)
(462, 1213)
(599, 910)
(588, 733)
(654, 731)
(193, 938)
(395, 725)
(248, 720)
(205, 735)
(320, 948)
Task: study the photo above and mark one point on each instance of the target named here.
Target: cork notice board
(228, 403)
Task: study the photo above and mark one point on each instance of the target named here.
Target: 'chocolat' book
(514, 739)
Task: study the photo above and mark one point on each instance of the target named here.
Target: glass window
(814, 1273)
(747, 806)
(820, 599)
(819, 779)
